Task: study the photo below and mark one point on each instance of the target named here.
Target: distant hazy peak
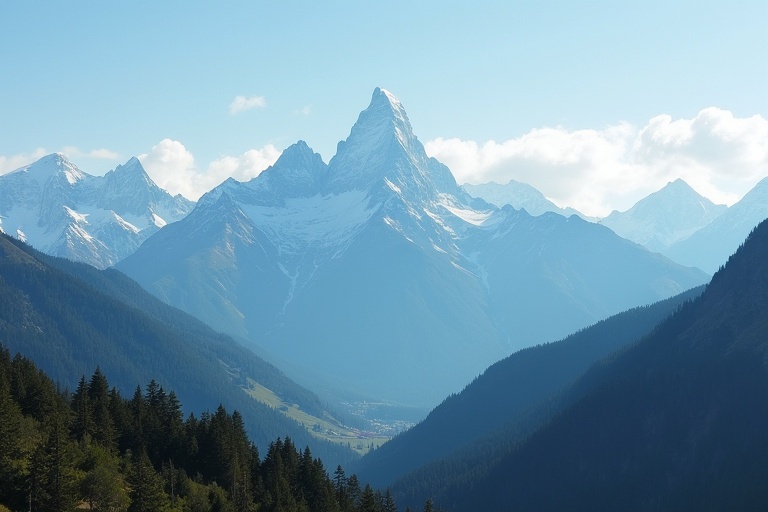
(680, 187)
(674, 190)
(679, 182)
(519, 195)
(760, 190)
(299, 154)
(665, 217)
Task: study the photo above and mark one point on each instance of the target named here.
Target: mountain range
(63, 211)
(675, 221)
(375, 276)
(379, 270)
(520, 196)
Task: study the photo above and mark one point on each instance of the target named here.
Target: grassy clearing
(327, 428)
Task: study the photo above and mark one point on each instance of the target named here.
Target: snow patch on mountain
(470, 216)
(318, 221)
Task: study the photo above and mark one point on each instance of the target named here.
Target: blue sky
(594, 103)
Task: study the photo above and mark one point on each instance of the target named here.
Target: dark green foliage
(98, 397)
(368, 501)
(82, 425)
(18, 439)
(138, 454)
(147, 489)
(388, 503)
(53, 479)
(102, 486)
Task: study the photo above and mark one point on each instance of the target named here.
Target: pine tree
(18, 437)
(82, 426)
(339, 481)
(257, 484)
(173, 427)
(278, 495)
(136, 439)
(239, 471)
(103, 426)
(353, 490)
(314, 486)
(147, 494)
(174, 480)
(120, 414)
(388, 504)
(153, 427)
(368, 500)
(53, 475)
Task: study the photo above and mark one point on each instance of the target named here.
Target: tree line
(95, 449)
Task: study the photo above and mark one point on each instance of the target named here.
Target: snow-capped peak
(131, 171)
(665, 216)
(386, 107)
(64, 211)
(55, 164)
(384, 98)
(382, 145)
(297, 173)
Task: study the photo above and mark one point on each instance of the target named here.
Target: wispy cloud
(73, 152)
(303, 111)
(13, 162)
(172, 166)
(596, 171)
(243, 103)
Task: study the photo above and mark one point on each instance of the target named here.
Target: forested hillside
(95, 449)
(677, 421)
(502, 397)
(70, 318)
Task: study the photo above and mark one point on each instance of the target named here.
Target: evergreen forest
(94, 449)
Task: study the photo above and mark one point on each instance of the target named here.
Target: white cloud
(595, 171)
(73, 152)
(172, 166)
(245, 167)
(13, 162)
(720, 153)
(243, 103)
(306, 110)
